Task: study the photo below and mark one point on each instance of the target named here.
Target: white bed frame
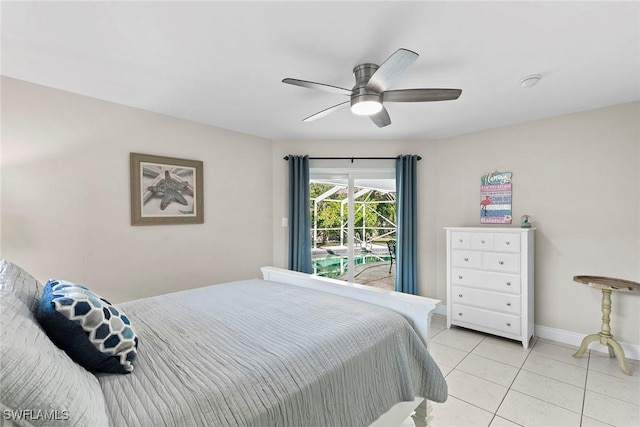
(416, 309)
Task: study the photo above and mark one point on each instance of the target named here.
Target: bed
(289, 349)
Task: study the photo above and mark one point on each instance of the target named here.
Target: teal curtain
(299, 258)
(406, 235)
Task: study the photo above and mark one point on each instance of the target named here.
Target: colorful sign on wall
(495, 198)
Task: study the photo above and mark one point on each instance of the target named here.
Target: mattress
(260, 353)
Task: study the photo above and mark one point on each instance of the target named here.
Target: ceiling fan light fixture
(366, 108)
(370, 90)
(366, 105)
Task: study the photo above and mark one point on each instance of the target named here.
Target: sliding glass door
(353, 225)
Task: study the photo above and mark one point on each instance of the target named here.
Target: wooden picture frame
(166, 190)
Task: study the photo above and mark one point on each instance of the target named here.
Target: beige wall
(578, 176)
(65, 200)
(65, 196)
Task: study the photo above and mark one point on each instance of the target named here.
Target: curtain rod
(352, 158)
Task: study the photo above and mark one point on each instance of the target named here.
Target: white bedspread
(259, 353)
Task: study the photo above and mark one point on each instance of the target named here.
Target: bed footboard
(415, 308)
(418, 410)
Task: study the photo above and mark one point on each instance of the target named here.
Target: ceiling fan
(370, 91)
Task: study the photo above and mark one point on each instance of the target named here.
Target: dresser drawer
(482, 241)
(468, 259)
(488, 319)
(460, 240)
(486, 280)
(507, 303)
(508, 263)
(506, 242)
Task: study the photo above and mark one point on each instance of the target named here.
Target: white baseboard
(631, 351)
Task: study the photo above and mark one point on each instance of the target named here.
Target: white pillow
(15, 280)
(40, 384)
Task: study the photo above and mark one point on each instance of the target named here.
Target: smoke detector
(530, 81)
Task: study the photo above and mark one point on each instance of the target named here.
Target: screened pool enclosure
(357, 215)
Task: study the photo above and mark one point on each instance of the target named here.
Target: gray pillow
(40, 383)
(15, 280)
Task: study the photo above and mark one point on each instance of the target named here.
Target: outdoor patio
(375, 274)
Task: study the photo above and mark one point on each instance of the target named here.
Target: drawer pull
(466, 259)
(482, 241)
(508, 304)
(501, 262)
(508, 283)
(459, 314)
(459, 277)
(460, 240)
(507, 243)
(508, 324)
(460, 295)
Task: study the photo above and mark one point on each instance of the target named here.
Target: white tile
(558, 343)
(501, 352)
(509, 344)
(633, 361)
(433, 332)
(446, 355)
(455, 412)
(474, 390)
(438, 321)
(608, 365)
(602, 351)
(611, 411)
(627, 389)
(560, 352)
(501, 422)
(552, 391)
(489, 369)
(445, 369)
(552, 368)
(590, 422)
(462, 339)
(529, 411)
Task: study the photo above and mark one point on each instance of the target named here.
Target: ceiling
(221, 63)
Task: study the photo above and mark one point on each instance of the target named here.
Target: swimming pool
(336, 265)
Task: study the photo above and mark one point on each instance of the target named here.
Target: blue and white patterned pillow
(93, 332)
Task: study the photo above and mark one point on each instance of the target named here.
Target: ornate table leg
(604, 336)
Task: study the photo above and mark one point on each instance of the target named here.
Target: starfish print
(170, 189)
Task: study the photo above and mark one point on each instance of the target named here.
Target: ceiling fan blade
(391, 70)
(319, 86)
(329, 110)
(421, 95)
(381, 119)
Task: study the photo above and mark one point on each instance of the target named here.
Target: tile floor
(496, 382)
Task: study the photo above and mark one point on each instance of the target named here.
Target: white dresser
(490, 280)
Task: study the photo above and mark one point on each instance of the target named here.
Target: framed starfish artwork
(165, 190)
